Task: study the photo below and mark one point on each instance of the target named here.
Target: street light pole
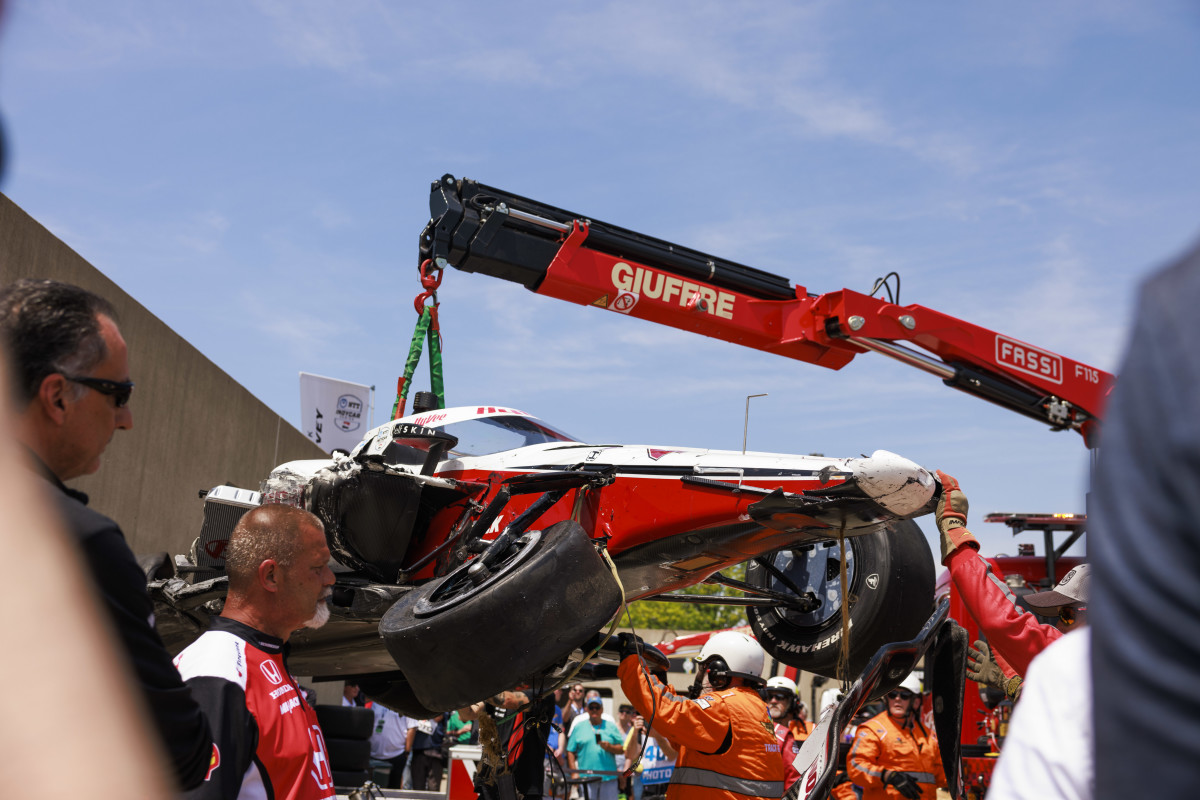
(746, 426)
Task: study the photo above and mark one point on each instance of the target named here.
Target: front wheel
(890, 574)
(471, 634)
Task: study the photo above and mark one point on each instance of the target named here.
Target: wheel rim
(813, 569)
(458, 587)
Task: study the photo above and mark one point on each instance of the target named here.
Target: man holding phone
(592, 748)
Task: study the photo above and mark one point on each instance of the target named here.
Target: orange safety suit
(790, 737)
(882, 743)
(726, 740)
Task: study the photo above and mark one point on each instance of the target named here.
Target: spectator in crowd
(592, 694)
(428, 759)
(268, 739)
(574, 706)
(592, 748)
(790, 728)
(727, 746)
(894, 753)
(640, 743)
(71, 378)
(390, 742)
(350, 694)
(625, 715)
(459, 730)
(556, 743)
(109, 746)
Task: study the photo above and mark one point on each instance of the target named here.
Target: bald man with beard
(267, 741)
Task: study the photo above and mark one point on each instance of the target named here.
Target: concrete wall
(194, 427)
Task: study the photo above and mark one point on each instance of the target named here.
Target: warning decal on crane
(624, 302)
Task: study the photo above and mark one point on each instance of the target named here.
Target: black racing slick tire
(466, 636)
(396, 693)
(352, 779)
(345, 722)
(891, 577)
(348, 755)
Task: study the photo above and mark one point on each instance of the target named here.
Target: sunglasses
(900, 695)
(119, 391)
(1066, 615)
(778, 696)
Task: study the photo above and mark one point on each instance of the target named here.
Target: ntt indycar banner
(333, 413)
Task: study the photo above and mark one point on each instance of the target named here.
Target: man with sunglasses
(71, 376)
(893, 754)
(791, 728)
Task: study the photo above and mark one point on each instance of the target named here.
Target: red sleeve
(1014, 633)
(785, 737)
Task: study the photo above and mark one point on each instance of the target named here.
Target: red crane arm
(553, 252)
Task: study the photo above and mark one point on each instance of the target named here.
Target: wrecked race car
(478, 548)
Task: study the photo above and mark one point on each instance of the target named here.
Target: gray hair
(51, 327)
(267, 532)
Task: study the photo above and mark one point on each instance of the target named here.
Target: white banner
(333, 413)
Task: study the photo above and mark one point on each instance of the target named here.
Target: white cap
(1071, 590)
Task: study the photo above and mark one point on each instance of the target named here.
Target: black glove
(905, 784)
(631, 645)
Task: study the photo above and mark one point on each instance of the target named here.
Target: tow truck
(477, 228)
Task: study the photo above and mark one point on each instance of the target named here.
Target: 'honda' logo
(271, 670)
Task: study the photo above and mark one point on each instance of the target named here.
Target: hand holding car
(952, 517)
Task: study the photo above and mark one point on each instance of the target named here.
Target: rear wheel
(395, 692)
(474, 633)
(890, 574)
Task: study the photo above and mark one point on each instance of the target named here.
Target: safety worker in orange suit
(726, 740)
(1013, 633)
(893, 754)
(791, 729)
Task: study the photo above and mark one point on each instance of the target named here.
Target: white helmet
(782, 682)
(741, 654)
(912, 683)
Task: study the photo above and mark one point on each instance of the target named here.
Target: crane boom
(553, 252)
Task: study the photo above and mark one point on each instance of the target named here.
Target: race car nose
(901, 486)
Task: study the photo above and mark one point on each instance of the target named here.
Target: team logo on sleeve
(214, 761)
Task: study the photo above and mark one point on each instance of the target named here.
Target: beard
(321, 613)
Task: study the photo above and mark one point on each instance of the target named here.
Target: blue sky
(257, 174)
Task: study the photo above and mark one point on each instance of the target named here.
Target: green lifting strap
(426, 330)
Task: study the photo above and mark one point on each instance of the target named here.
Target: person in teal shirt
(593, 748)
(458, 730)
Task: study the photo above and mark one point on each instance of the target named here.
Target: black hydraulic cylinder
(473, 229)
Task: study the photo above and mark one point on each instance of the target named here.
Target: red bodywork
(648, 509)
